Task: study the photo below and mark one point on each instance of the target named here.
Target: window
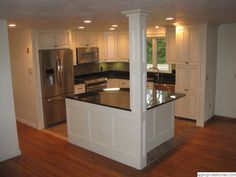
(156, 54)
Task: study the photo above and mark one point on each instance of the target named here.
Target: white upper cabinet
(54, 39)
(123, 46)
(84, 39)
(101, 46)
(111, 46)
(189, 42)
(170, 45)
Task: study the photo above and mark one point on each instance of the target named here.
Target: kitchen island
(103, 122)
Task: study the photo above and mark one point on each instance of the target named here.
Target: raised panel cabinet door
(111, 46)
(192, 74)
(123, 46)
(92, 39)
(182, 45)
(193, 106)
(81, 39)
(196, 43)
(101, 45)
(62, 39)
(181, 78)
(182, 107)
(46, 39)
(171, 45)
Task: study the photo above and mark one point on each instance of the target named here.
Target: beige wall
(23, 76)
(226, 71)
(8, 134)
(210, 78)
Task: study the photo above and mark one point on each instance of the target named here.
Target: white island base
(119, 134)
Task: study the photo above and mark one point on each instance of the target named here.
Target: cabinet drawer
(80, 88)
(124, 83)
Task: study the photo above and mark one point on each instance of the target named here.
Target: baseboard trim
(10, 155)
(218, 117)
(31, 124)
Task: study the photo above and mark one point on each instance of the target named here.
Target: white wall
(8, 134)
(24, 85)
(210, 77)
(225, 104)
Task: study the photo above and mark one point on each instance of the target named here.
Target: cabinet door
(101, 46)
(193, 102)
(111, 46)
(171, 45)
(46, 39)
(62, 39)
(181, 78)
(182, 45)
(92, 39)
(182, 107)
(123, 46)
(81, 39)
(196, 43)
(192, 75)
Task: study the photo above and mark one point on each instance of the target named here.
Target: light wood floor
(212, 148)
(60, 129)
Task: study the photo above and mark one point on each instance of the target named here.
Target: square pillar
(138, 74)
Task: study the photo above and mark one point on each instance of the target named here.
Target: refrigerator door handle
(57, 70)
(61, 71)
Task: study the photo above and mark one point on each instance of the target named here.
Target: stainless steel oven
(95, 84)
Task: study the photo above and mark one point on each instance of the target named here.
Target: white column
(138, 73)
(8, 134)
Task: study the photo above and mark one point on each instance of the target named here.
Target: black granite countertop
(120, 99)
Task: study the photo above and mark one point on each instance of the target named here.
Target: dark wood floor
(212, 148)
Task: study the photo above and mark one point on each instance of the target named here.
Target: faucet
(157, 73)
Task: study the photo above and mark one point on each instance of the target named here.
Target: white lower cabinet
(187, 82)
(150, 85)
(118, 83)
(187, 107)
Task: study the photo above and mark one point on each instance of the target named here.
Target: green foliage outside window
(161, 50)
(149, 50)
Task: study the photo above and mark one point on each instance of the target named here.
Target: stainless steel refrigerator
(57, 81)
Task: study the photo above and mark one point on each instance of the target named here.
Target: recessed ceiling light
(87, 21)
(114, 26)
(169, 18)
(81, 27)
(12, 25)
(156, 27)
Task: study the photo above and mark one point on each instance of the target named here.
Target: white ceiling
(103, 13)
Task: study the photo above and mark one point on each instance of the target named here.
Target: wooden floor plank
(212, 148)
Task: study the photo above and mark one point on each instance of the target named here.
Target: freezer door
(54, 110)
(66, 74)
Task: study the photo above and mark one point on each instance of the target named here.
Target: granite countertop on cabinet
(120, 99)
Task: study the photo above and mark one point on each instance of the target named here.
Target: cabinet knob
(186, 62)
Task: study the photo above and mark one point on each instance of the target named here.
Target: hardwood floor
(212, 148)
